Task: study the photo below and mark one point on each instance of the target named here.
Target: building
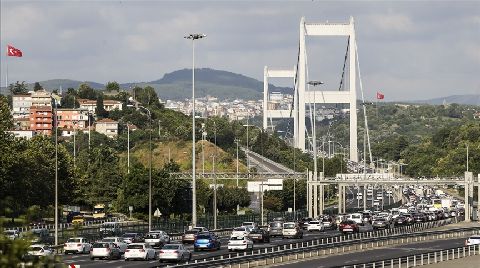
(21, 105)
(41, 119)
(108, 105)
(107, 127)
(41, 98)
(70, 120)
(27, 134)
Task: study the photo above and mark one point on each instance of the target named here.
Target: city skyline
(404, 47)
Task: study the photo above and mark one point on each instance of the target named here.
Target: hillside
(66, 83)
(472, 99)
(181, 152)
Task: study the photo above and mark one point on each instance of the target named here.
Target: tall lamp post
(56, 174)
(314, 136)
(194, 37)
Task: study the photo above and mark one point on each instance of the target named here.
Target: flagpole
(6, 75)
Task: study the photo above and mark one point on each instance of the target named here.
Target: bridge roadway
(84, 260)
(372, 255)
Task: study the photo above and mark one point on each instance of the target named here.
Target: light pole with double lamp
(194, 37)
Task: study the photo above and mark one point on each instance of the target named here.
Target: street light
(314, 135)
(194, 37)
(56, 173)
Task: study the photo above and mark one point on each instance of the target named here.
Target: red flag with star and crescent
(13, 52)
(380, 96)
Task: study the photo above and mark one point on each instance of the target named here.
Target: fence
(421, 259)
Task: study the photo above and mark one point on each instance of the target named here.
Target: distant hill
(177, 85)
(460, 99)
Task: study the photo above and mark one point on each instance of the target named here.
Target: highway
(263, 164)
(85, 261)
(377, 254)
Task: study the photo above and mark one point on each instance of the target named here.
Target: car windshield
(135, 246)
(108, 240)
(289, 226)
(171, 247)
(9, 232)
(198, 229)
(356, 216)
(380, 219)
(100, 245)
(152, 236)
(314, 222)
(33, 248)
(236, 238)
(348, 222)
(204, 237)
(475, 237)
(240, 229)
(191, 232)
(73, 240)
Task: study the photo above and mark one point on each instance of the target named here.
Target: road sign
(157, 213)
(130, 208)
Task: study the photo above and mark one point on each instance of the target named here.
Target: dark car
(409, 218)
(348, 226)
(400, 220)
(259, 235)
(206, 241)
(419, 217)
(380, 223)
(275, 228)
(329, 223)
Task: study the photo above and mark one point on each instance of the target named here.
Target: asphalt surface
(377, 254)
(265, 166)
(84, 260)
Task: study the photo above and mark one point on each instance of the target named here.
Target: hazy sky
(407, 50)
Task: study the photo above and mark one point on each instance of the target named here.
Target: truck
(99, 211)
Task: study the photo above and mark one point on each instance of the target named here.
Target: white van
(356, 217)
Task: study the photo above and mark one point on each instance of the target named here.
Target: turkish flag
(380, 96)
(14, 52)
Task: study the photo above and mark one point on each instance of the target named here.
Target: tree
(18, 88)
(100, 110)
(86, 92)
(112, 86)
(37, 87)
(6, 121)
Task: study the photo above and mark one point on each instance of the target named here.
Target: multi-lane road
(377, 254)
(85, 261)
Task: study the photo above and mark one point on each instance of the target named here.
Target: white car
(200, 229)
(140, 251)
(157, 238)
(240, 231)
(174, 252)
(40, 250)
(250, 224)
(356, 217)
(240, 243)
(12, 234)
(473, 240)
(77, 245)
(105, 250)
(315, 226)
(122, 246)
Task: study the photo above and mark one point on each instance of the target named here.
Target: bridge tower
(332, 97)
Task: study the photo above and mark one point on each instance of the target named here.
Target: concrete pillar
(309, 195)
(468, 195)
(353, 93)
(364, 197)
(340, 200)
(301, 88)
(315, 197)
(344, 199)
(478, 199)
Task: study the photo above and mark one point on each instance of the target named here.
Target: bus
(437, 203)
(99, 211)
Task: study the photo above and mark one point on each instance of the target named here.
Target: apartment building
(41, 119)
(21, 105)
(107, 127)
(108, 105)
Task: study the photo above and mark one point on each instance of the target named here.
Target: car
(240, 231)
(40, 236)
(348, 226)
(400, 220)
(329, 223)
(40, 250)
(358, 218)
(122, 246)
(275, 228)
(380, 223)
(303, 223)
(207, 241)
(12, 234)
(200, 229)
(174, 252)
(157, 238)
(189, 236)
(132, 238)
(291, 230)
(140, 251)
(77, 245)
(315, 226)
(409, 218)
(250, 224)
(79, 220)
(259, 235)
(240, 243)
(105, 250)
(473, 240)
